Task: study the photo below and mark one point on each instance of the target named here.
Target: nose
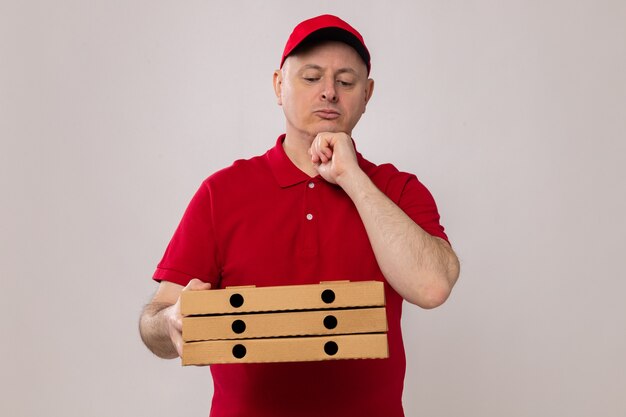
(329, 93)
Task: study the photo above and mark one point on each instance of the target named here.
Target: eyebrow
(319, 68)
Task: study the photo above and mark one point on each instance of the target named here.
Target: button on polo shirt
(264, 222)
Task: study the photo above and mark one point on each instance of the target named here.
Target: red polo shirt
(262, 221)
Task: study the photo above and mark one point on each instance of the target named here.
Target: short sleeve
(192, 251)
(418, 203)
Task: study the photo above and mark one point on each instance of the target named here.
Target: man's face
(323, 88)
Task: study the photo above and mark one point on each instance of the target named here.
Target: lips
(327, 114)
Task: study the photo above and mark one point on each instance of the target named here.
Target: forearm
(154, 330)
(421, 268)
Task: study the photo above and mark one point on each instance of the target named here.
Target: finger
(322, 158)
(322, 150)
(313, 151)
(325, 144)
(317, 157)
(196, 284)
(177, 340)
(314, 157)
(173, 317)
(177, 320)
(324, 171)
(175, 329)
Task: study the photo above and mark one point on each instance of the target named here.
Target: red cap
(326, 28)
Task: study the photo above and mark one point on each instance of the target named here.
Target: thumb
(197, 285)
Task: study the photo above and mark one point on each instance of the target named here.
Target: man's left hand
(334, 156)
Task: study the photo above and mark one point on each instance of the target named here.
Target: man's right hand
(174, 319)
(161, 323)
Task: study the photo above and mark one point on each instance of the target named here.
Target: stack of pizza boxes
(330, 320)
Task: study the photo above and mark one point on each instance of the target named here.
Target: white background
(513, 113)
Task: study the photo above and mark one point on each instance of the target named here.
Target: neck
(297, 149)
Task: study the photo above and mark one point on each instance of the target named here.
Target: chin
(331, 127)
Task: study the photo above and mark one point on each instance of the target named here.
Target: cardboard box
(326, 321)
(300, 323)
(335, 294)
(289, 349)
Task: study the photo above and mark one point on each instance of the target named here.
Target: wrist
(352, 181)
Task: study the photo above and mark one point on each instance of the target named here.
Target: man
(311, 209)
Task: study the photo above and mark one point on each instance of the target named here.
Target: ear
(369, 90)
(278, 86)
